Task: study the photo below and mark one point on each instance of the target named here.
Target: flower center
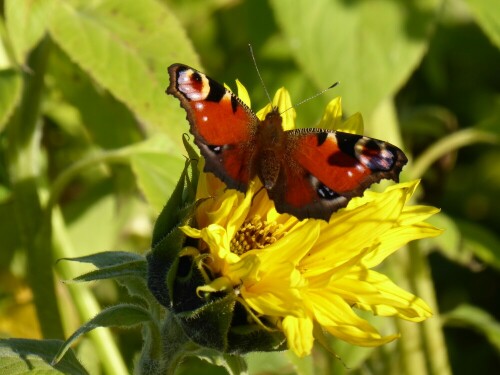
(256, 233)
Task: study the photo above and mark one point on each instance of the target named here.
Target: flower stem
(423, 349)
(115, 156)
(84, 300)
(25, 160)
(433, 336)
(413, 356)
(447, 144)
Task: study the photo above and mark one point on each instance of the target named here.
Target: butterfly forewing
(224, 128)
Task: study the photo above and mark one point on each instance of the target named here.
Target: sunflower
(291, 275)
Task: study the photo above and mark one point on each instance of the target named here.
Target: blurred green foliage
(91, 147)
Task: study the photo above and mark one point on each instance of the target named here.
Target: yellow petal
(350, 231)
(221, 284)
(416, 214)
(190, 232)
(299, 334)
(291, 248)
(336, 316)
(283, 102)
(275, 294)
(373, 291)
(396, 238)
(353, 124)
(332, 117)
(245, 270)
(217, 240)
(243, 94)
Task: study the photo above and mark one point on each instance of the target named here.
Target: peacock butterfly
(309, 173)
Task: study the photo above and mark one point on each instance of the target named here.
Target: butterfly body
(309, 173)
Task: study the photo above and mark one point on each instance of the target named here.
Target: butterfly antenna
(258, 73)
(311, 97)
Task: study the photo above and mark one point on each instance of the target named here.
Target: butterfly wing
(325, 169)
(223, 126)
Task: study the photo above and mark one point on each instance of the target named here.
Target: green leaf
(157, 171)
(371, 47)
(488, 17)
(85, 111)
(26, 22)
(123, 316)
(10, 92)
(126, 46)
(477, 319)
(20, 356)
(173, 213)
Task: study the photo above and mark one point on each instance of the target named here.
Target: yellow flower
(293, 275)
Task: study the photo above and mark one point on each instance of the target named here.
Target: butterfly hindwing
(223, 126)
(326, 169)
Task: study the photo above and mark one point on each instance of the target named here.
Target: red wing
(325, 169)
(223, 126)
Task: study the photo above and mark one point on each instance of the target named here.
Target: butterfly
(308, 173)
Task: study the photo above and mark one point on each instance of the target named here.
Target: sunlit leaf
(84, 110)
(488, 17)
(371, 47)
(157, 173)
(10, 92)
(21, 356)
(26, 22)
(126, 46)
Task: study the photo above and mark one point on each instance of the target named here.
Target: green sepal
(168, 239)
(195, 173)
(209, 325)
(160, 260)
(171, 215)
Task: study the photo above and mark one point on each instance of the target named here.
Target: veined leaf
(26, 22)
(126, 46)
(157, 173)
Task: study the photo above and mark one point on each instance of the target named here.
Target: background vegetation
(91, 147)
